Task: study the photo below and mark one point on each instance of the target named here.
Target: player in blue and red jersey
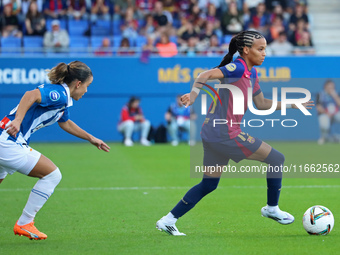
(38, 108)
(224, 142)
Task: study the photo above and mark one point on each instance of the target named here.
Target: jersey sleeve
(66, 116)
(52, 97)
(232, 71)
(256, 88)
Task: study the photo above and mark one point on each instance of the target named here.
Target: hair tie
(68, 69)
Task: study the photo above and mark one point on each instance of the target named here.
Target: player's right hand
(13, 128)
(185, 99)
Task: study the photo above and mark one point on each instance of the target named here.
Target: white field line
(173, 188)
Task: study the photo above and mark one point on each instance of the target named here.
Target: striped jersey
(55, 101)
(237, 74)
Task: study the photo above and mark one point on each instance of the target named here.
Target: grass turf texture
(79, 220)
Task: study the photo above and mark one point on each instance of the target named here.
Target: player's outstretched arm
(72, 128)
(189, 98)
(28, 99)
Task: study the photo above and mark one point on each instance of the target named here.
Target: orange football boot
(29, 230)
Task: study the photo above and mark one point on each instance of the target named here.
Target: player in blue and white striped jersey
(39, 108)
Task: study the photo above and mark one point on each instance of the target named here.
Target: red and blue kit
(227, 141)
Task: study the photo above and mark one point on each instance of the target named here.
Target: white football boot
(168, 227)
(277, 215)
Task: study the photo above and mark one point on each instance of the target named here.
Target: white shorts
(16, 156)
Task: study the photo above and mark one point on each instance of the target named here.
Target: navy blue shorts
(237, 149)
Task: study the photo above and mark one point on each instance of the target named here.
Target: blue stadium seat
(116, 27)
(116, 40)
(10, 43)
(33, 45)
(101, 28)
(227, 39)
(96, 41)
(173, 39)
(63, 24)
(77, 27)
(141, 41)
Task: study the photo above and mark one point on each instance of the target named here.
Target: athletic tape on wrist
(196, 90)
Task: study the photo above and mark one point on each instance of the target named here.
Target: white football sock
(170, 218)
(272, 209)
(41, 191)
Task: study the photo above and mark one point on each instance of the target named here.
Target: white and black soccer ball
(318, 220)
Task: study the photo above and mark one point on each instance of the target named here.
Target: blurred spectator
(281, 46)
(184, 6)
(55, 9)
(124, 48)
(35, 22)
(276, 28)
(58, 39)
(132, 120)
(232, 20)
(9, 23)
(77, 9)
(328, 107)
(161, 17)
(147, 50)
(272, 4)
(214, 47)
(105, 48)
(301, 36)
(196, 17)
(252, 5)
(123, 5)
(130, 25)
(260, 20)
(26, 3)
(204, 4)
(305, 45)
(180, 118)
(165, 47)
(100, 11)
(191, 47)
(278, 11)
(145, 6)
(187, 31)
(149, 28)
(170, 6)
(206, 34)
(296, 16)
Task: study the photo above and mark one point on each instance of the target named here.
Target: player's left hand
(309, 104)
(100, 144)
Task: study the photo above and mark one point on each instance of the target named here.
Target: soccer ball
(318, 220)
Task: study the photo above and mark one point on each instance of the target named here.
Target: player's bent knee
(275, 158)
(210, 184)
(54, 177)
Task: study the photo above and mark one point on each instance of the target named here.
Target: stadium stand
(139, 21)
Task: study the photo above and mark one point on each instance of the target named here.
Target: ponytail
(237, 43)
(232, 50)
(67, 73)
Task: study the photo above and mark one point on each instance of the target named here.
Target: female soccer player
(39, 108)
(228, 141)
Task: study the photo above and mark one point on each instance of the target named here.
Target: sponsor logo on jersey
(54, 95)
(231, 67)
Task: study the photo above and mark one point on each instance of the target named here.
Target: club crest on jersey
(251, 139)
(231, 67)
(54, 95)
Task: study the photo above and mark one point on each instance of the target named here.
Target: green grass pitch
(108, 203)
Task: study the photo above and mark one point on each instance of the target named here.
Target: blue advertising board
(157, 83)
